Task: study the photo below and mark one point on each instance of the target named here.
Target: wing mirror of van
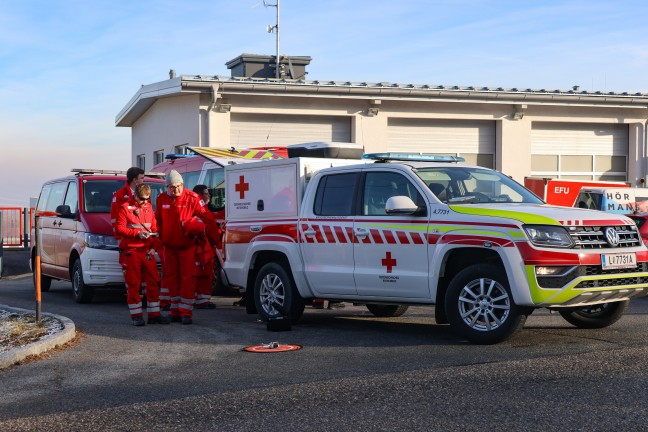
(400, 205)
(64, 211)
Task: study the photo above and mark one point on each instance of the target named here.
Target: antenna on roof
(275, 29)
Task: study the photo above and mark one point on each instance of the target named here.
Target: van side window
(72, 198)
(44, 196)
(335, 195)
(380, 186)
(56, 196)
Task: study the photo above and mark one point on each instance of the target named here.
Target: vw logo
(612, 236)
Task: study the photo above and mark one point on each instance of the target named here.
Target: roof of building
(147, 94)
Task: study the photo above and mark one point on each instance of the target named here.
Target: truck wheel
(81, 292)
(596, 316)
(480, 307)
(274, 287)
(387, 310)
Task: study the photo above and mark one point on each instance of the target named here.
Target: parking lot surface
(355, 372)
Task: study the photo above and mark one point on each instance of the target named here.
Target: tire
(274, 285)
(385, 311)
(46, 281)
(81, 292)
(596, 316)
(480, 307)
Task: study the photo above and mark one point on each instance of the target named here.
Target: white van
(613, 200)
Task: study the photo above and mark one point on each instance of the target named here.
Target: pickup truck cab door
(391, 252)
(326, 236)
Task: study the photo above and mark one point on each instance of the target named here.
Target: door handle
(310, 232)
(361, 232)
(256, 228)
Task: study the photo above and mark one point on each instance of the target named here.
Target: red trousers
(165, 297)
(178, 272)
(204, 279)
(140, 269)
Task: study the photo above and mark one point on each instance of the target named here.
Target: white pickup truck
(400, 230)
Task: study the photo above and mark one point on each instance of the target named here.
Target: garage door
(472, 140)
(584, 151)
(255, 130)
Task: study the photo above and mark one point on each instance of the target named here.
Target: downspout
(214, 100)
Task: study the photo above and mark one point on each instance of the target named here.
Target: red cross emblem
(389, 262)
(241, 187)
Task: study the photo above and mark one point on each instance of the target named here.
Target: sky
(67, 67)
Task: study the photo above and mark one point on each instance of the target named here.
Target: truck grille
(593, 237)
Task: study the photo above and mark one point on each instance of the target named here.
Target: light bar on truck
(412, 157)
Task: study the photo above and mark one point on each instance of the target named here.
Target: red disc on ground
(271, 348)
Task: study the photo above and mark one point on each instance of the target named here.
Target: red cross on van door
(389, 262)
(241, 187)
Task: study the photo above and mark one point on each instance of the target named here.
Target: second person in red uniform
(175, 208)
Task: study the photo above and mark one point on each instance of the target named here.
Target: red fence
(16, 224)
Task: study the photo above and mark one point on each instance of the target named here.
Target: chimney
(263, 66)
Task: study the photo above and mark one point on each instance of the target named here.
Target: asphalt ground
(14, 262)
(354, 372)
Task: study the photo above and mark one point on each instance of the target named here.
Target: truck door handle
(256, 228)
(310, 232)
(361, 232)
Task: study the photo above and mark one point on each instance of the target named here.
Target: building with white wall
(570, 134)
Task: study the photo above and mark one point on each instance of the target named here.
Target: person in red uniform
(175, 208)
(134, 176)
(205, 244)
(137, 229)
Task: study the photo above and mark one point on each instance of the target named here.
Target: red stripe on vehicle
(328, 232)
(339, 233)
(475, 240)
(532, 256)
(402, 237)
(375, 235)
(389, 237)
(349, 234)
(417, 238)
(273, 238)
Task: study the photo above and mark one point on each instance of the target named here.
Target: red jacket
(172, 213)
(120, 197)
(133, 219)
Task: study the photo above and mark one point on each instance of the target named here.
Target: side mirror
(400, 205)
(64, 211)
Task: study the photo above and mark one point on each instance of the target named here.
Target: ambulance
(396, 230)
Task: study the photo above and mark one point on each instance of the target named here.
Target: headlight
(548, 236)
(98, 241)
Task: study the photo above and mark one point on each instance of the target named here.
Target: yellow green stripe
(527, 218)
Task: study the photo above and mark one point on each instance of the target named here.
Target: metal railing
(15, 225)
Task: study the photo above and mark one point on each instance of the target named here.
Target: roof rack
(81, 171)
(411, 157)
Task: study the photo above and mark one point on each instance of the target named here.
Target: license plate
(618, 260)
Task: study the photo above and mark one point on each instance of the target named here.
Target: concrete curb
(68, 332)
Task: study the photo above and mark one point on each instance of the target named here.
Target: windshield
(97, 194)
(466, 185)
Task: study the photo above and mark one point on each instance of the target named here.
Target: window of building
(158, 157)
(181, 149)
(141, 161)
